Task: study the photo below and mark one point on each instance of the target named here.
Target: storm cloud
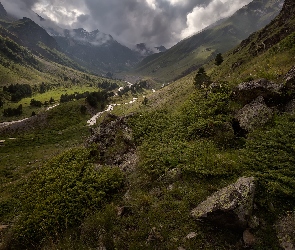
(154, 22)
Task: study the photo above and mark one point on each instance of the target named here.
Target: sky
(154, 22)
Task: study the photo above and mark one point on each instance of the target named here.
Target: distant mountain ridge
(93, 51)
(194, 51)
(3, 12)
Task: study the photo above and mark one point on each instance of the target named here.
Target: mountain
(254, 55)
(3, 12)
(194, 51)
(96, 51)
(31, 34)
(27, 33)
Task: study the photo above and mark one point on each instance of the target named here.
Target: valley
(190, 154)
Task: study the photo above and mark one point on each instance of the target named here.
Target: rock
(248, 238)
(113, 144)
(285, 228)
(290, 107)
(254, 115)
(191, 235)
(248, 91)
(254, 222)
(231, 206)
(290, 78)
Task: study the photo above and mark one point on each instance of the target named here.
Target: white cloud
(58, 13)
(152, 3)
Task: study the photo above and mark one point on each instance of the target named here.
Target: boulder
(248, 91)
(290, 107)
(290, 78)
(229, 207)
(254, 115)
(285, 228)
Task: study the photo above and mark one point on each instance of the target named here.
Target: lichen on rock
(254, 115)
(231, 206)
(285, 228)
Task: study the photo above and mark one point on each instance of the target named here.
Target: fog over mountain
(154, 22)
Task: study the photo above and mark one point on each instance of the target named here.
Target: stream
(92, 120)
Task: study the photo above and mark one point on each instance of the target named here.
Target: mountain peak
(95, 37)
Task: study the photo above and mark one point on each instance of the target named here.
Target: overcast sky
(154, 22)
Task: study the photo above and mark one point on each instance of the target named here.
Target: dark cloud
(154, 22)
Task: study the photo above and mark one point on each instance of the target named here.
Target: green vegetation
(57, 194)
(60, 194)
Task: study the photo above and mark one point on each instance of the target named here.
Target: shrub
(60, 195)
(270, 155)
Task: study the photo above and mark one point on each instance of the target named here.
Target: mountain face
(282, 26)
(95, 37)
(31, 34)
(193, 52)
(3, 12)
(96, 51)
(28, 34)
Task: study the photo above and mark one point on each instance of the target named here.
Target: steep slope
(192, 52)
(31, 34)
(265, 54)
(28, 34)
(3, 13)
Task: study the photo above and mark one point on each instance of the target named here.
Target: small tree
(201, 78)
(218, 59)
(145, 101)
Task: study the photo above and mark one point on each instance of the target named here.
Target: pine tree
(218, 59)
(201, 78)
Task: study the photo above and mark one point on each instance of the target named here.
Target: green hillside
(194, 51)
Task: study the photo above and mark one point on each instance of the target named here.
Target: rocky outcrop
(290, 107)
(231, 206)
(286, 231)
(248, 91)
(254, 115)
(290, 78)
(113, 142)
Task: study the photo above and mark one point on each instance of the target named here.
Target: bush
(270, 155)
(13, 111)
(61, 194)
